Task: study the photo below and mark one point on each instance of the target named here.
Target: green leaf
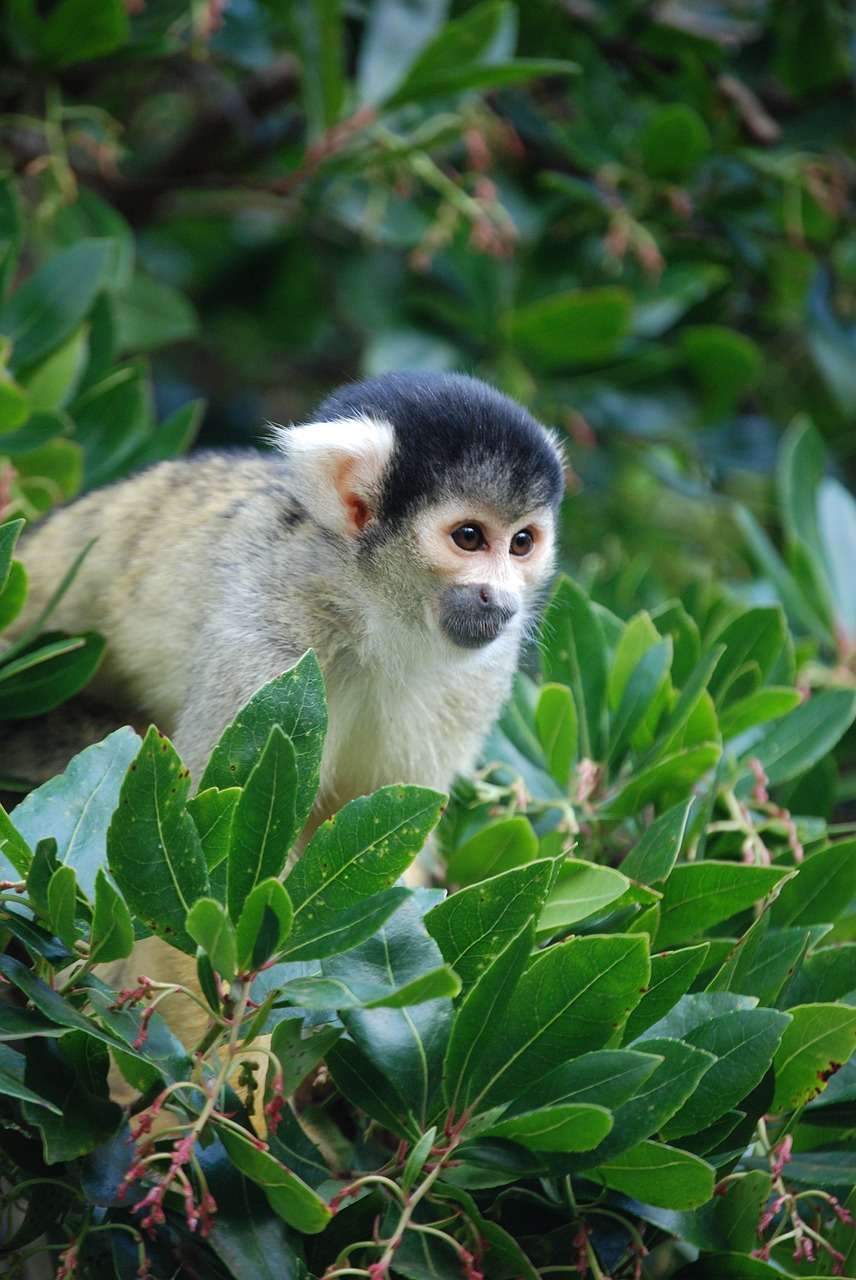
(818, 1041)
(743, 1042)
(295, 701)
(396, 33)
(314, 939)
(317, 27)
(800, 610)
(474, 1030)
(608, 1077)
(299, 1050)
(209, 925)
(360, 851)
(699, 895)
(54, 300)
(52, 382)
(659, 1175)
(582, 889)
(369, 1089)
(289, 1196)
(151, 314)
(675, 772)
(828, 973)
(72, 1074)
(726, 364)
(572, 1126)
(474, 926)
(263, 925)
(112, 936)
(660, 1094)
(408, 1045)
(639, 696)
(48, 673)
(761, 962)
(75, 807)
(572, 998)
(78, 31)
(213, 812)
(153, 849)
(558, 729)
(62, 900)
(577, 326)
(656, 851)
(13, 594)
(265, 825)
(9, 534)
(574, 653)
(675, 140)
(672, 975)
(417, 1158)
(836, 512)
(799, 740)
(822, 889)
(757, 708)
(753, 641)
(500, 847)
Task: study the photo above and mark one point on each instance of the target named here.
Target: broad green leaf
(731, 1266)
(800, 610)
(51, 383)
(209, 926)
(799, 472)
(672, 975)
(264, 825)
(417, 1158)
(753, 641)
(77, 30)
(638, 697)
(739, 1209)
(800, 739)
(762, 961)
(17, 1024)
(571, 999)
(474, 926)
(48, 673)
(263, 925)
(757, 708)
(360, 851)
(299, 1050)
(724, 363)
(577, 326)
(698, 895)
(743, 1043)
(822, 890)
(173, 436)
(818, 1041)
(659, 1175)
(504, 845)
(582, 889)
(658, 1096)
(289, 1196)
(836, 512)
(607, 1077)
(213, 812)
(12, 1087)
(675, 772)
(112, 935)
(315, 939)
(14, 402)
(9, 534)
(13, 594)
(153, 849)
(72, 1074)
(571, 1126)
(395, 35)
(62, 899)
(151, 314)
(53, 301)
(369, 1089)
(296, 702)
(474, 1031)
(696, 1008)
(558, 729)
(574, 653)
(656, 851)
(828, 973)
(75, 807)
(162, 1054)
(409, 1044)
(318, 991)
(674, 141)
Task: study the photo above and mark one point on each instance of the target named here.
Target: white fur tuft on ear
(340, 466)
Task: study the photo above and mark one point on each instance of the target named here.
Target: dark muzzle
(474, 615)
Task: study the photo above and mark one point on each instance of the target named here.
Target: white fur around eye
(339, 464)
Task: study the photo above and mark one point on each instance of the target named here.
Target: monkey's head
(447, 492)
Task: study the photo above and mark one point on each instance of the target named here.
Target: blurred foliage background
(636, 216)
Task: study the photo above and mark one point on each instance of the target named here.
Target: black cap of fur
(454, 436)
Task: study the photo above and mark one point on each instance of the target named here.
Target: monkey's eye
(468, 537)
(522, 543)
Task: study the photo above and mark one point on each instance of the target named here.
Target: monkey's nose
(473, 614)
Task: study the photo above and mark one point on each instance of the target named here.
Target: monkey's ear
(340, 468)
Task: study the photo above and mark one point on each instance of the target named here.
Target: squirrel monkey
(404, 534)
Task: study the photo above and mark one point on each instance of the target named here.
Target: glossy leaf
(698, 895)
(265, 824)
(820, 1038)
(574, 654)
(659, 1175)
(290, 1197)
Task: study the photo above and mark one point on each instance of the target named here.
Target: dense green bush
(620, 1046)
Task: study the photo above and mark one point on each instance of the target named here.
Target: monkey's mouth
(474, 615)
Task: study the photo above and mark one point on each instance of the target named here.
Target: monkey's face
(486, 568)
